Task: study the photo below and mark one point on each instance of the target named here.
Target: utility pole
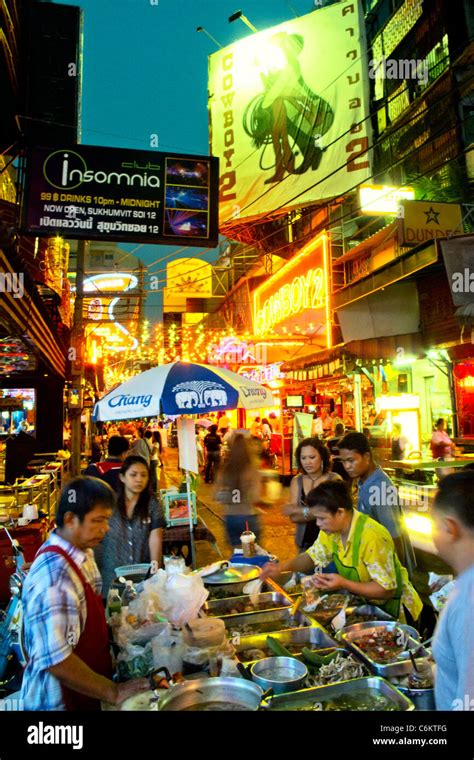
(77, 364)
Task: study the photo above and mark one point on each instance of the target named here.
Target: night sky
(145, 73)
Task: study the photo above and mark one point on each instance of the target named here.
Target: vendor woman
(361, 549)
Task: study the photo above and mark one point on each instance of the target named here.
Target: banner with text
(84, 191)
(291, 101)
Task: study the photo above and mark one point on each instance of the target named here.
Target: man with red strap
(66, 638)
(109, 469)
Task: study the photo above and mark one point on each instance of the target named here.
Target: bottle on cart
(114, 602)
(129, 594)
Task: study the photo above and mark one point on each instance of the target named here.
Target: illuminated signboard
(295, 299)
(425, 220)
(103, 305)
(96, 193)
(382, 199)
(291, 101)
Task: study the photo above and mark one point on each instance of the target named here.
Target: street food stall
(247, 645)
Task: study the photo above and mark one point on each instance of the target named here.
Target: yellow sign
(299, 287)
(426, 220)
(383, 199)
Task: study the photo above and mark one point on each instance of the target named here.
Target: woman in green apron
(361, 549)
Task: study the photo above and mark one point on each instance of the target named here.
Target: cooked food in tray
(381, 645)
(360, 701)
(341, 668)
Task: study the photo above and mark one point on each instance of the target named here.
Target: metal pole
(191, 524)
(77, 365)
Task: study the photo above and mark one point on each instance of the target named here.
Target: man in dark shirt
(109, 469)
(212, 443)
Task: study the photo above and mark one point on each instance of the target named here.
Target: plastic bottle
(129, 594)
(114, 603)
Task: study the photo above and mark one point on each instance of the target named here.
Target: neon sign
(100, 308)
(299, 287)
(467, 382)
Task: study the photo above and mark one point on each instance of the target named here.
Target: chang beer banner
(302, 426)
(291, 102)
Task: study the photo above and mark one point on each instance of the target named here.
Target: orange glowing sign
(467, 383)
(296, 297)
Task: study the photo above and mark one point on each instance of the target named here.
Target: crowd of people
(349, 533)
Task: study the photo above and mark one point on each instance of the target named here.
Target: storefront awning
(373, 349)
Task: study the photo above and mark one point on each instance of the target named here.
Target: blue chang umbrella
(181, 388)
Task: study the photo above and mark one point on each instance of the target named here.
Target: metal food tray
(308, 637)
(222, 607)
(281, 619)
(295, 699)
(267, 586)
(370, 609)
(398, 667)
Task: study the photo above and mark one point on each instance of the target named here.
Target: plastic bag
(439, 598)
(179, 597)
(311, 594)
(134, 662)
(168, 649)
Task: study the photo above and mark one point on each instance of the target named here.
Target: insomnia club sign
(90, 192)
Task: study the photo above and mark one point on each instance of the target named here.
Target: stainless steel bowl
(281, 674)
(233, 577)
(423, 699)
(212, 694)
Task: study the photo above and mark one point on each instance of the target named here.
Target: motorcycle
(12, 652)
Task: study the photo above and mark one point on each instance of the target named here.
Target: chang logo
(127, 400)
(66, 170)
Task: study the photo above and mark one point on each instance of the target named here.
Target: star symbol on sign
(432, 215)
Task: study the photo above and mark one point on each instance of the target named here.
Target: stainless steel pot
(423, 699)
(208, 694)
(281, 674)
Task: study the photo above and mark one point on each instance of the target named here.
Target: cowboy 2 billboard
(289, 113)
(84, 191)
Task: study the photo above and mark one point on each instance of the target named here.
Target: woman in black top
(212, 444)
(314, 463)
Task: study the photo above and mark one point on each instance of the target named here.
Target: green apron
(391, 606)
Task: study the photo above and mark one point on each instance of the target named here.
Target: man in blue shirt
(378, 496)
(453, 646)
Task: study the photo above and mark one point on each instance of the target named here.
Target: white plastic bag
(179, 597)
(168, 649)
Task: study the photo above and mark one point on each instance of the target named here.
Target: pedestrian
(256, 428)
(136, 525)
(239, 487)
(65, 633)
(140, 447)
(333, 446)
(314, 463)
(155, 460)
(212, 444)
(453, 645)
(109, 469)
(441, 444)
(377, 496)
(399, 443)
(163, 433)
